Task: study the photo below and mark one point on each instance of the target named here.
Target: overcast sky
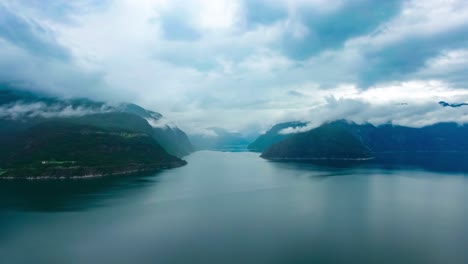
(245, 65)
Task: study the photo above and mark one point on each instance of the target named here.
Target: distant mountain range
(52, 137)
(48, 137)
(220, 139)
(347, 140)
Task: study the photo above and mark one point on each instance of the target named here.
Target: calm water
(239, 208)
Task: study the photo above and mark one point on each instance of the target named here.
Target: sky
(245, 65)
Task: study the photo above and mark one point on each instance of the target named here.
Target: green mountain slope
(36, 129)
(66, 149)
(344, 136)
(171, 138)
(20, 110)
(273, 136)
(328, 141)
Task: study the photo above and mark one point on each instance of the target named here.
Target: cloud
(403, 45)
(294, 93)
(205, 132)
(244, 65)
(30, 35)
(175, 28)
(450, 65)
(20, 110)
(161, 122)
(331, 30)
(58, 77)
(381, 105)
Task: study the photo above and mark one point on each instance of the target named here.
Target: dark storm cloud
(29, 35)
(331, 30)
(245, 62)
(401, 59)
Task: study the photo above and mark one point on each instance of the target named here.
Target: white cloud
(293, 6)
(215, 15)
(20, 110)
(237, 76)
(413, 104)
(207, 133)
(417, 19)
(161, 122)
(265, 61)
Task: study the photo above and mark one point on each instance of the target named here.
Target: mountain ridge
(47, 137)
(387, 138)
(273, 135)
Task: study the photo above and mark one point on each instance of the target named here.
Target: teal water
(239, 208)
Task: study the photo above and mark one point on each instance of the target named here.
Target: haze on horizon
(245, 65)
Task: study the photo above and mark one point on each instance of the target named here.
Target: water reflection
(435, 162)
(239, 208)
(69, 195)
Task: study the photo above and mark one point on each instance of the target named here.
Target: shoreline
(324, 159)
(92, 175)
(377, 155)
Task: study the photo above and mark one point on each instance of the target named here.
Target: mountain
(172, 138)
(329, 141)
(45, 136)
(220, 139)
(378, 140)
(388, 138)
(58, 149)
(20, 110)
(273, 136)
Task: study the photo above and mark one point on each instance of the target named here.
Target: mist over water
(228, 207)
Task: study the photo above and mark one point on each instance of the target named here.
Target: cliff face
(168, 135)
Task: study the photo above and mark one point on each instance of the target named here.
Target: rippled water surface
(239, 208)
